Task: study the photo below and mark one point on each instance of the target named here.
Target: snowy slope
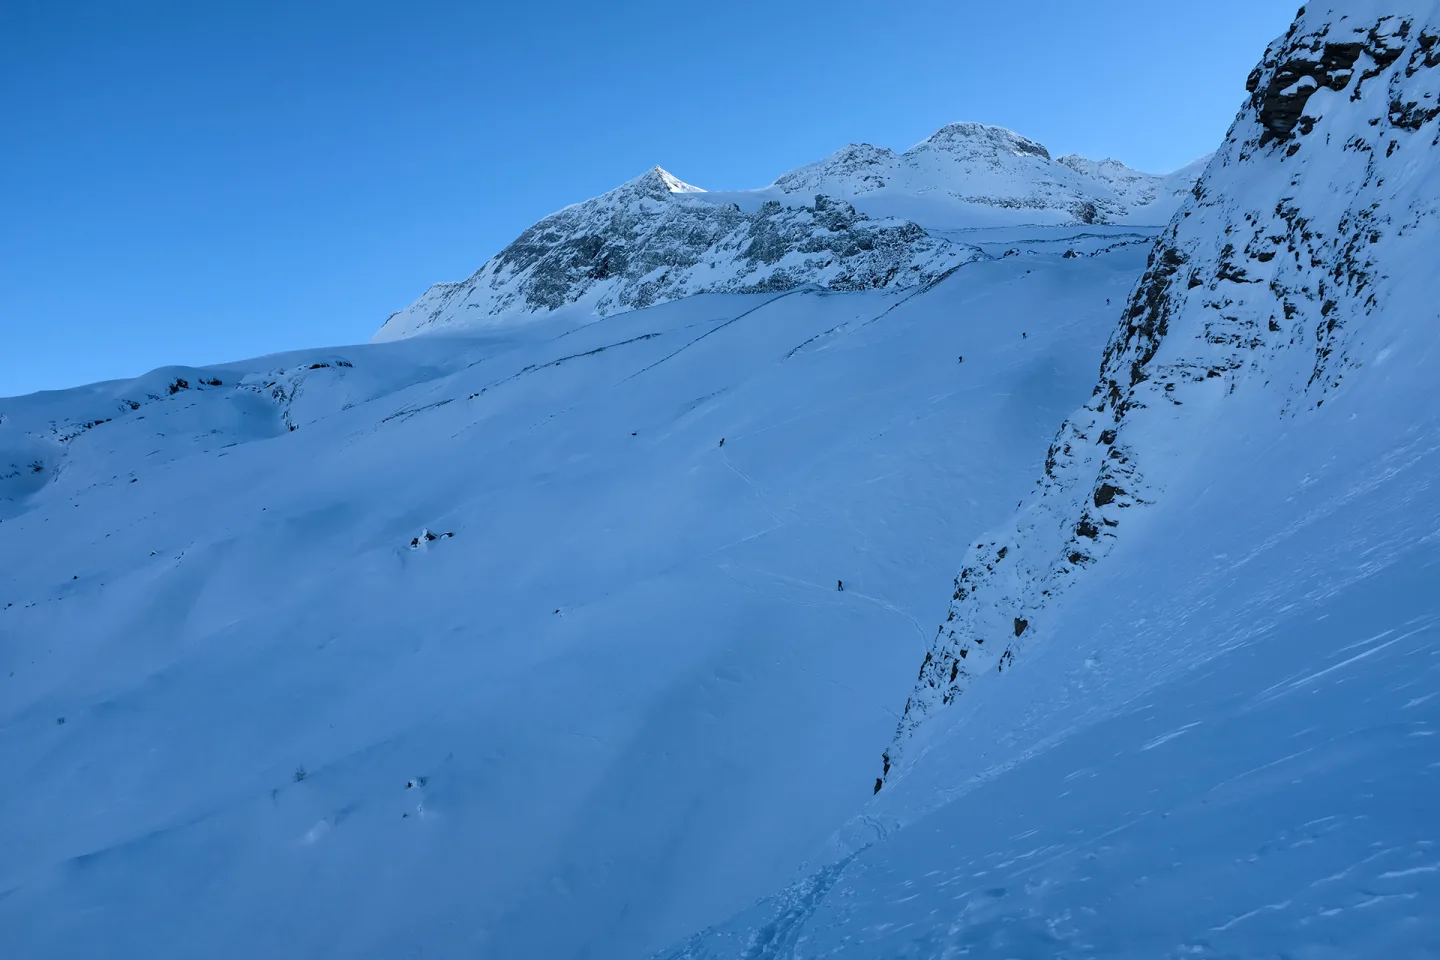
(863, 218)
(531, 643)
(628, 695)
(1187, 702)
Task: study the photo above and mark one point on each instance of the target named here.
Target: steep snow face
(653, 240)
(616, 698)
(970, 174)
(1298, 261)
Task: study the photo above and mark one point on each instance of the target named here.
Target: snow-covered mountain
(654, 240)
(863, 218)
(568, 639)
(621, 678)
(970, 174)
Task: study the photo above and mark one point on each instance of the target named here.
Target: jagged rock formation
(654, 240)
(1266, 280)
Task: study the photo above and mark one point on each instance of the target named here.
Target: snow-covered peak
(656, 239)
(656, 183)
(859, 166)
(973, 138)
(1108, 169)
(974, 175)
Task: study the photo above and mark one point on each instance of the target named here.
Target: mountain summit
(657, 183)
(971, 174)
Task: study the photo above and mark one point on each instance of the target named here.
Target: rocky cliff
(1279, 276)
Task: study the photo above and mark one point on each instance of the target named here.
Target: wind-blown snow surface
(628, 695)
(863, 218)
(1187, 703)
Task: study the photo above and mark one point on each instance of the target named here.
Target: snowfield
(628, 681)
(770, 575)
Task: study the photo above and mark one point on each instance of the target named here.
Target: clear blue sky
(186, 182)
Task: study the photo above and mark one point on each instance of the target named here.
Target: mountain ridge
(656, 238)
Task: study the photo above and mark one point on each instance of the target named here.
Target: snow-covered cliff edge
(1304, 249)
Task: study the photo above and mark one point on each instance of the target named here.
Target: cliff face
(1297, 242)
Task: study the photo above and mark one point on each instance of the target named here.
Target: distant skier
(839, 584)
(962, 358)
(1023, 334)
(722, 441)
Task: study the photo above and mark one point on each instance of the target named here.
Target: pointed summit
(657, 183)
(673, 183)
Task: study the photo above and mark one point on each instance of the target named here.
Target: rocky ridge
(1271, 279)
(653, 240)
(856, 220)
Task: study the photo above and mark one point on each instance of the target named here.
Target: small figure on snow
(839, 584)
(722, 441)
(962, 358)
(417, 784)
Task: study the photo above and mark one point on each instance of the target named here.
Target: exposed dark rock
(643, 244)
(1281, 104)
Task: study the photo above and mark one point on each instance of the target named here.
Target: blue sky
(192, 183)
